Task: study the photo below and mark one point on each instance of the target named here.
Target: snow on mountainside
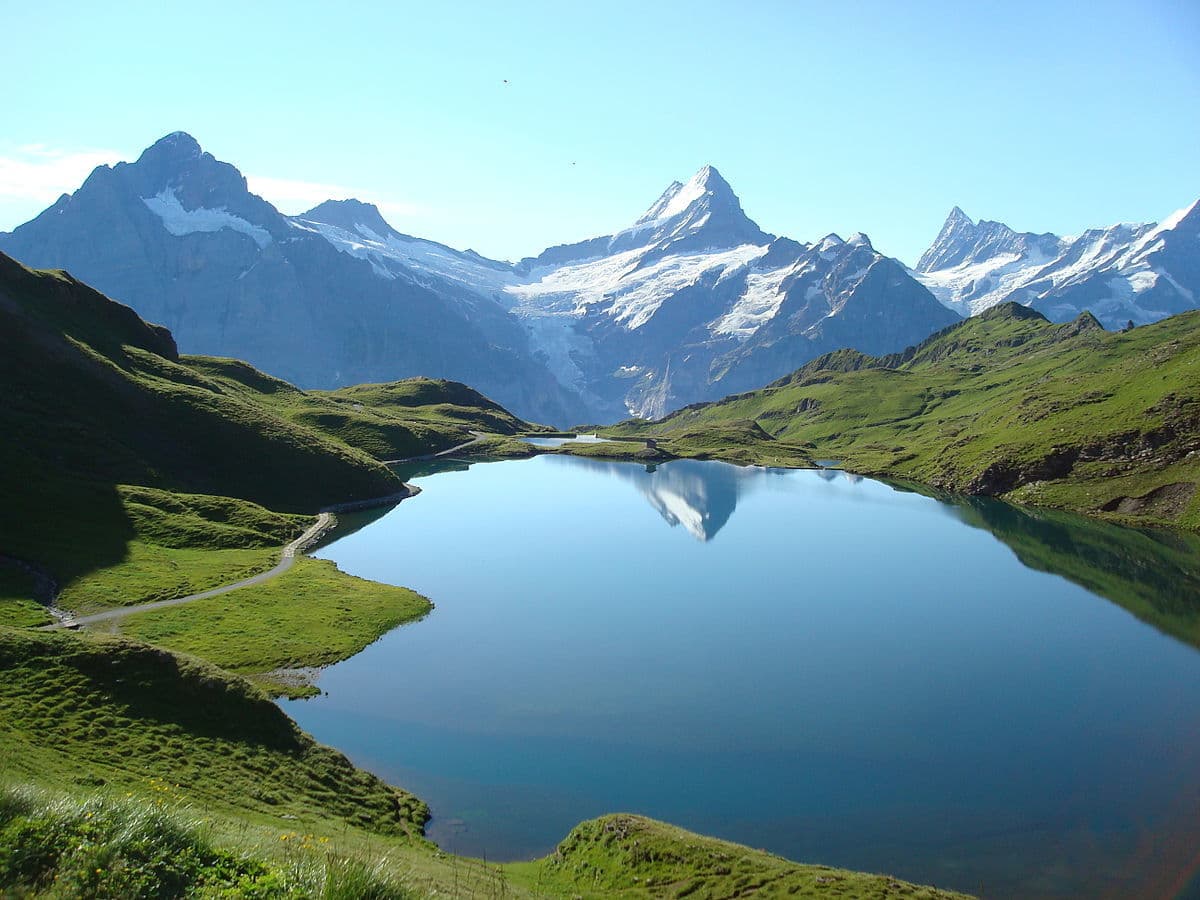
(634, 321)
(691, 302)
(360, 230)
(695, 301)
(177, 236)
(180, 221)
(1138, 272)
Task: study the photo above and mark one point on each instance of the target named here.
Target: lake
(828, 667)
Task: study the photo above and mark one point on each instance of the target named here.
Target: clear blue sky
(874, 117)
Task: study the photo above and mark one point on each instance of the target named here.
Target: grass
(631, 856)
(117, 545)
(18, 608)
(312, 615)
(96, 846)
(397, 420)
(1003, 404)
(108, 711)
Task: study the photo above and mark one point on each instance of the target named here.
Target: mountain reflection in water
(700, 496)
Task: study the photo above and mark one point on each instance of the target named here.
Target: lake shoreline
(609, 467)
(616, 448)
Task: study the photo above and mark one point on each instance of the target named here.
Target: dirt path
(324, 522)
(479, 436)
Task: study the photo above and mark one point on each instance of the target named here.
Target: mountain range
(690, 303)
(1124, 273)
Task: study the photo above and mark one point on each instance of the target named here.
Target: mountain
(1005, 403)
(94, 392)
(178, 236)
(1123, 273)
(700, 497)
(690, 302)
(694, 301)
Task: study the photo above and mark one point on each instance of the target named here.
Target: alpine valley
(690, 303)
(891, 569)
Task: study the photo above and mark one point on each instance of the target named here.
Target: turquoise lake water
(810, 662)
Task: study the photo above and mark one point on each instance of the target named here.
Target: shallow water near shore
(561, 441)
(810, 662)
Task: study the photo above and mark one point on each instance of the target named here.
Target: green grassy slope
(631, 856)
(90, 711)
(94, 392)
(1003, 404)
(312, 615)
(386, 421)
(131, 474)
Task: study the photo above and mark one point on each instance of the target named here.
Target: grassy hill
(391, 421)
(131, 473)
(1003, 404)
(93, 392)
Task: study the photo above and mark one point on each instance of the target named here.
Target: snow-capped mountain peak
(1125, 272)
(1185, 221)
(359, 229)
(691, 301)
(701, 214)
(963, 242)
(958, 218)
(679, 197)
(190, 191)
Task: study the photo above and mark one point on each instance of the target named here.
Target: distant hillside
(93, 391)
(389, 421)
(131, 473)
(1003, 404)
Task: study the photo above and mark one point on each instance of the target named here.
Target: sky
(509, 127)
